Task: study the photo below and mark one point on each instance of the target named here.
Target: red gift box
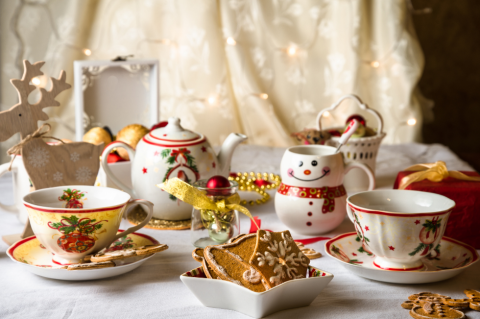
(464, 221)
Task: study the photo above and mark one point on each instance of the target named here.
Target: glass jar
(213, 227)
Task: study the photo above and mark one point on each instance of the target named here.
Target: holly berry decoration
(361, 130)
(72, 197)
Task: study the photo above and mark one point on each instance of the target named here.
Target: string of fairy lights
(292, 50)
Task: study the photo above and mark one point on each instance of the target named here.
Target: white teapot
(168, 152)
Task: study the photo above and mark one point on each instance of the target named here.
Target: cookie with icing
(87, 266)
(150, 249)
(435, 310)
(427, 294)
(474, 298)
(278, 258)
(309, 252)
(231, 267)
(105, 255)
(198, 255)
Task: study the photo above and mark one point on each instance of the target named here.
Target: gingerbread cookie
(234, 239)
(198, 255)
(278, 257)
(309, 252)
(474, 298)
(428, 295)
(435, 310)
(104, 255)
(150, 249)
(103, 264)
(231, 267)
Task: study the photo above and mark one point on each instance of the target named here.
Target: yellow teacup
(74, 221)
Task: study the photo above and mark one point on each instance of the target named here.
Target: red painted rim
(398, 269)
(203, 139)
(468, 247)
(379, 212)
(20, 242)
(75, 210)
(167, 140)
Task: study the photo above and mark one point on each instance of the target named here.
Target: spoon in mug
(351, 128)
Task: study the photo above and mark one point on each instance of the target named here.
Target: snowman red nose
(307, 172)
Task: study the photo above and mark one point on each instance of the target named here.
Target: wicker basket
(363, 150)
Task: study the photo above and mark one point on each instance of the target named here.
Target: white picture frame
(115, 108)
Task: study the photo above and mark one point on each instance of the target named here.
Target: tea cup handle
(148, 205)
(8, 208)
(371, 177)
(350, 213)
(108, 171)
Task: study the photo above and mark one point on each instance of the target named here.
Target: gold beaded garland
(246, 182)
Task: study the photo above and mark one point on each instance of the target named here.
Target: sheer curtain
(261, 67)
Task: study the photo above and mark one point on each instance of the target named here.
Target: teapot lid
(173, 133)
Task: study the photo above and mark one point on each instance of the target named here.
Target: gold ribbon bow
(434, 172)
(199, 200)
(16, 149)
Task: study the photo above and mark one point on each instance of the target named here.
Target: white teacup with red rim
(399, 226)
(75, 221)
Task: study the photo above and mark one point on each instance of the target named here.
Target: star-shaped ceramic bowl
(227, 295)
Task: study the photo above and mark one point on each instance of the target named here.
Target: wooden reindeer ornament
(47, 165)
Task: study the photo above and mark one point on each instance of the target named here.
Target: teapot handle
(106, 168)
(360, 103)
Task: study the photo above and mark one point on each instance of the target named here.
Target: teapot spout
(226, 152)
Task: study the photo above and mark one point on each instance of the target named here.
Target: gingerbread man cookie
(435, 310)
(278, 257)
(474, 298)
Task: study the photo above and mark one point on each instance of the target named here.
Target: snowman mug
(311, 199)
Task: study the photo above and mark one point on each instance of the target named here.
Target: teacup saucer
(31, 255)
(449, 259)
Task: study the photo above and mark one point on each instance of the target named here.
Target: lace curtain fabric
(303, 54)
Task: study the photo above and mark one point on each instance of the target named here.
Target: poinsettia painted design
(428, 234)
(72, 197)
(77, 233)
(343, 257)
(182, 163)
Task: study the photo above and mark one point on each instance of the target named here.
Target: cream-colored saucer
(33, 257)
(445, 261)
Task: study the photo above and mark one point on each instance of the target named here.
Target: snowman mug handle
(371, 180)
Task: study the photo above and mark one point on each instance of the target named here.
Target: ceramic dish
(227, 295)
(33, 257)
(449, 258)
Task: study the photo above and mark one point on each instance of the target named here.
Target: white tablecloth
(154, 290)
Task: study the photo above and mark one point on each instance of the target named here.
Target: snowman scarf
(327, 193)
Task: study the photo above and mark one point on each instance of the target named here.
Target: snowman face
(307, 171)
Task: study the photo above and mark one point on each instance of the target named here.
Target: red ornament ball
(357, 117)
(218, 181)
